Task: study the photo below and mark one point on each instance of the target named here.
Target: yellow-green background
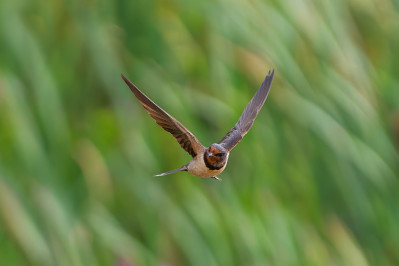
(315, 182)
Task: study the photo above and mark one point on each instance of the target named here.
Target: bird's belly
(198, 168)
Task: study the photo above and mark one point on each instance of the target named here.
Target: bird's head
(216, 155)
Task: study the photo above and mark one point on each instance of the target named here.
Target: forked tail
(183, 168)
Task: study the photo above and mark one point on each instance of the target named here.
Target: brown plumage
(248, 116)
(206, 162)
(185, 138)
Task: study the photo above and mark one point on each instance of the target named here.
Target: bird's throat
(212, 165)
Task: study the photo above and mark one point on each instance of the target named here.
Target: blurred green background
(315, 182)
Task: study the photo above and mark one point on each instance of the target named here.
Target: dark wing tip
(268, 81)
(124, 78)
(128, 82)
(132, 87)
(270, 75)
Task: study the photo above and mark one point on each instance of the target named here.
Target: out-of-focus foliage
(315, 182)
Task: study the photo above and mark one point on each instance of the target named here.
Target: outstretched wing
(185, 138)
(247, 118)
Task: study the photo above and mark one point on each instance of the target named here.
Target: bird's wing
(247, 118)
(185, 138)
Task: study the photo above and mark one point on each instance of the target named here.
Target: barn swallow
(211, 161)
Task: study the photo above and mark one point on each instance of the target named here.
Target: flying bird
(211, 161)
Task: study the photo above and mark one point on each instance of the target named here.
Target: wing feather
(244, 124)
(183, 136)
